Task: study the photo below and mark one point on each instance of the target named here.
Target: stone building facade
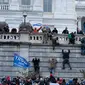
(54, 13)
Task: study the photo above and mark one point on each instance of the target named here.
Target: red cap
(8, 78)
(51, 75)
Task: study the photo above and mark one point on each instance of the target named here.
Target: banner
(37, 24)
(20, 62)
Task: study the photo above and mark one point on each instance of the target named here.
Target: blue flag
(20, 61)
(38, 24)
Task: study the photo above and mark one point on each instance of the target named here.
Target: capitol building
(52, 13)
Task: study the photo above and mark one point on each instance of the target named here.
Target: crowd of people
(33, 80)
(53, 62)
(48, 34)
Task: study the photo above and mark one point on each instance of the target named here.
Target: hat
(70, 81)
(51, 75)
(8, 78)
(61, 79)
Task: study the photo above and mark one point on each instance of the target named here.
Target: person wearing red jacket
(35, 30)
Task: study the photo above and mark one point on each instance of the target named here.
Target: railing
(4, 6)
(37, 38)
(9, 37)
(26, 7)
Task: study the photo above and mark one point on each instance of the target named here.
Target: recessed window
(47, 5)
(25, 2)
(4, 1)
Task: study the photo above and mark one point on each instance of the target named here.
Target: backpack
(69, 36)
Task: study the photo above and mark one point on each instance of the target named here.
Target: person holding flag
(37, 27)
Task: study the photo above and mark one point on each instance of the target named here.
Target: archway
(14, 30)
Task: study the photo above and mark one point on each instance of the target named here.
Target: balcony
(37, 38)
(4, 6)
(26, 7)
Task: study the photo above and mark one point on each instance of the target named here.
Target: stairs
(44, 53)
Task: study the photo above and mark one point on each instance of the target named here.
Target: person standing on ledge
(66, 59)
(65, 31)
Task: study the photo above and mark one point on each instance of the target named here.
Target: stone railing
(4, 6)
(26, 7)
(36, 38)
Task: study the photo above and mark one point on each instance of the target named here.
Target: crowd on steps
(33, 80)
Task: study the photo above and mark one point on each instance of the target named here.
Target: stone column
(37, 5)
(79, 23)
(14, 5)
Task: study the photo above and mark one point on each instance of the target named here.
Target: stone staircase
(44, 53)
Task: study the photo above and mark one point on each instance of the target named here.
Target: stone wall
(44, 53)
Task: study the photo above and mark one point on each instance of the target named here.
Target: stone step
(2, 73)
(40, 54)
(43, 69)
(46, 64)
(71, 59)
(73, 65)
(64, 75)
(56, 50)
(44, 58)
(56, 47)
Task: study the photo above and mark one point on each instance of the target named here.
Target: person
(79, 31)
(54, 41)
(60, 81)
(66, 58)
(65, 31)
(35, 30)
(71, 37)
(53, 63)
(83, 46)
(36, 64)
(8, 80)
(64, 82)
(55, 31)
(41, 81)
(52, 79)
(75, 81)
(45, 35)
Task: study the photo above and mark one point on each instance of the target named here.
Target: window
(4, 1)
(47, 4)
(25, 2)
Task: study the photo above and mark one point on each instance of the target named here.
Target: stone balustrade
(4, 6)
(36, 38)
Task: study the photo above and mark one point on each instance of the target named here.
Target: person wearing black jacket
(66, 58)
(36, 64)
(65, 31)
